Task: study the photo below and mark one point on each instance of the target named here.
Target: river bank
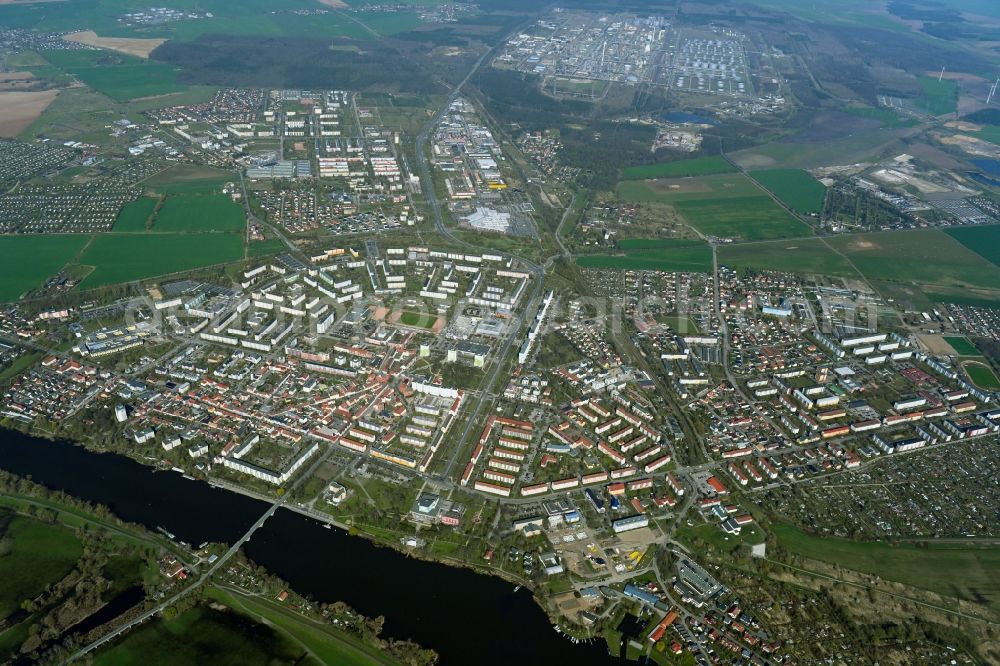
(463, 615)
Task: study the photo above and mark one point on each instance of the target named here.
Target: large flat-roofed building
(697, 580)
(488, 219)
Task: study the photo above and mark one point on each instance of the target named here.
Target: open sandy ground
(129, 45)
(16, 80)
(19, 109)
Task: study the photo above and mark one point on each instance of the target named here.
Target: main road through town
(538, 271)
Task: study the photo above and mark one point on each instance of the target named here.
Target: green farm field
(938, 97)
(26, 261)
(858, 147)
(248, 17)
(205, 212)
(724, 205)
(135, 216)
(968, 572)
(888, 118)
(800, 191)
(804, 255)
(921, 256)
(120, 258)
(654, 255)
(983, 240)
(698, 166)
(672, 190)
(747, 218)
(989, 133)
(120, 77)
(962, 346)
(189, 179)
(36, 555)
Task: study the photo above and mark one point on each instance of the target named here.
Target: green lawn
(921, 256)
(26, 261)
(983, 240)
(805, 255)
(126, 257)
(982, 376)
(962, 346)
(655, 255)
(134, 216)
(265, 247)
(968, 572)
(206, 212)
(119, 76)
(331, 647)
(800, 191)
(698, 166)
(33, 555)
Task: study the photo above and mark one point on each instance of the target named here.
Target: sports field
(26, 261)
(804, 255)
(962, 346)
(698, 166)
(795, 187)
(120, 258)
(921, 256)
(417, 320)
(135, 216)
(120, 77)
(723, 205)
(983, 240)
(199, 212)
(967, 572)
(982, 376)
(655, 255)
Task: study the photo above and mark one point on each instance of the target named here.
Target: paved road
(427, 185)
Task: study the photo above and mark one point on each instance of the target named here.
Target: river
(468, 618)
